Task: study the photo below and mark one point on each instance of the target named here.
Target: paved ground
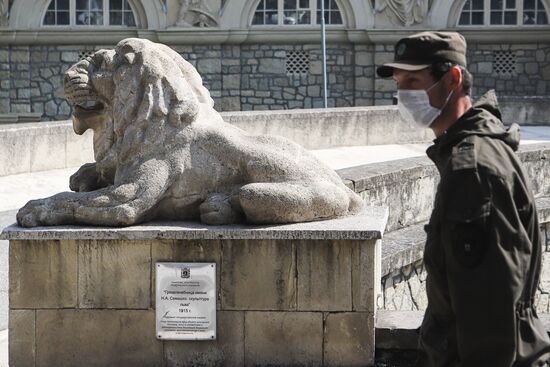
(16, 190)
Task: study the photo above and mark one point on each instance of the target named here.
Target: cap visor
(386, 70)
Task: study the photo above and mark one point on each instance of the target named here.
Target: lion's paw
(85, 179)
(217, 209)
(45, 212)
(33, 214)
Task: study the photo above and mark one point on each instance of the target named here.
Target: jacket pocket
(468, 234)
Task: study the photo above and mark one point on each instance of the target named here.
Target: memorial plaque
(186, 301)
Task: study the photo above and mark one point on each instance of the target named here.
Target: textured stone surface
(367, 225)
(283, 338)
(324, 275)
(366, 276)
(22, 352)
(355, 126)
(349, 339)
(43, 147)
(262, 81)
(403, 247)
(47, 145)
(15, 154)
(227, 350)
(195, 166)
(258, 275)
(43, 274)
(404, 277)
(535, 159)
(527, 110)
(122, 338)
(407, 186)
(79, 148)
(398, 329)
(114, 274)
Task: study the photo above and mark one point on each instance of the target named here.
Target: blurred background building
(266, 54)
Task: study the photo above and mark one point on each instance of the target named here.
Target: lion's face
(89, 87)
(138, 84)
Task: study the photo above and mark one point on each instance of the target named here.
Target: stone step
(399, 330)
(405, 246)
(407, 186)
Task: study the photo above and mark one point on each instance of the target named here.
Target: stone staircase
(397, 329)
(407, 187)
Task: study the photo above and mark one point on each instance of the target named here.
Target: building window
(58, 13)
(266, 12)
(120, 13)
(90, 13)
(534, 12)
(296, 12)
(472, 13)
(503, 12)
(332, 13)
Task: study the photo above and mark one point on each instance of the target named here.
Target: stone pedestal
(289, 295)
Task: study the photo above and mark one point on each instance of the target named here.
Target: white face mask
(414, 106)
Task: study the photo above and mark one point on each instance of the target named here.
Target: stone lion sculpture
(162, 151)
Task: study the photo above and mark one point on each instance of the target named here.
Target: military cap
(421, 50)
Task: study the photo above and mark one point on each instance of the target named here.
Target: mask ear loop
(448, 97)
(447, 100)
(433, 85)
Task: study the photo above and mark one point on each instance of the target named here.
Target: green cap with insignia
(421, 50)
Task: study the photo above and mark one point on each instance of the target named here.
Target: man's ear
(456, 77)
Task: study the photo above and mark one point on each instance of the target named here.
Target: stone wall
(286, 296)
(407, 186)
(512, 70)
(542, 298)
(273, 76)
(405, 289)
(48, 145)
(5, 81)
(32, 79)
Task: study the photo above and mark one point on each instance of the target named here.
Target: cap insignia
(401, 49)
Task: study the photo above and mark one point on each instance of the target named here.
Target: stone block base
(287, 295)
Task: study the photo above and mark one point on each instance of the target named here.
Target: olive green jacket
(483, 250)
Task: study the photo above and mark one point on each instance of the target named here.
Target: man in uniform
(483, 248)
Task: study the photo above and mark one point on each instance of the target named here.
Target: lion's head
(137, 84)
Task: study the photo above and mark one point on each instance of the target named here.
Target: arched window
(89, 13)
(293, 12)
(472, 13)
(534, 12)
(503, 12)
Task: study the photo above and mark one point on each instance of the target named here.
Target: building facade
(266, 54)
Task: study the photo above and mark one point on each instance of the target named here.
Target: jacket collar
(482, 119)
